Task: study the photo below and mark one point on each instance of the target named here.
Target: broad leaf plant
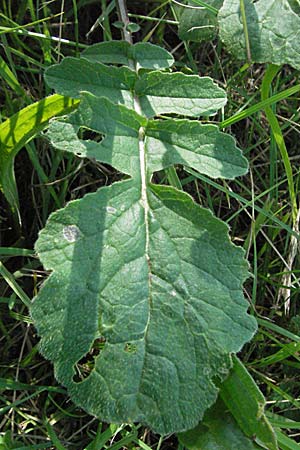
(144, 304)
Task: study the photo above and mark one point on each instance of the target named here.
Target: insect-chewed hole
(130, 348)
(87, 134)
(85, 366)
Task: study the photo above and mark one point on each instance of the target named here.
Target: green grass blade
(259, 106)
(288, 350)
(279, 421)
(245, 27)
(12, 385)
(11, 79)
(53, 436)
(202, 4)
(277, 329)
(102, 438)
(8, 277)
(27, 25)
(18, 130)
(246, 403)
(270, 74)
(173, 178)
(285, 442)
(246, 203)
(13, 251)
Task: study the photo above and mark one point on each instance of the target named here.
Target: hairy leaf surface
(144, 303)
(273, 28)
(144, 54)
(159, 92)
(199, 24)
(168, 142)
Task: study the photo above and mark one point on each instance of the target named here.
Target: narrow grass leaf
(285, 442)
(14, 251)
(288, 350)
(246, 403)
(10, 280)
(280, 421)
(260, 106)
(277, 329)
(54, 438)
(19, 129)
(10, 78)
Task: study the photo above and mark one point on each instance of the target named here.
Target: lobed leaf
(159, 92)
(145, 283)
(168, 142)
(273, 28)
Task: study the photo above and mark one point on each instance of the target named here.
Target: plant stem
(245, 26)
(123, 15)
(122, 10)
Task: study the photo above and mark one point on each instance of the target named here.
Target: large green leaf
(141, 273)
(19, 129)
(273, 30)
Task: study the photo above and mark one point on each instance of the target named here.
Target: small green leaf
(118, 24)
(111, 52)
(273, 29)
(199, 24)
(132, 27)
(246, 403)
(19, 129)
(144, 54)
(217, 431)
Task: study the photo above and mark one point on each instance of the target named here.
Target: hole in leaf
(130, 348)
(86, 134)
(85, 366)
